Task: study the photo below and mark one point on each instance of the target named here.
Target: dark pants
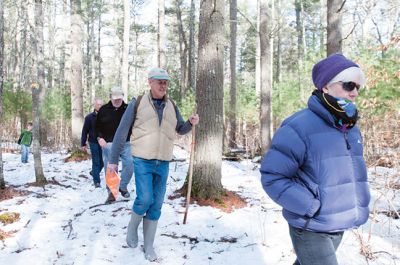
(314, 248)
(97, 161)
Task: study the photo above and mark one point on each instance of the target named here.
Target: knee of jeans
(146, 200)
(153, 215)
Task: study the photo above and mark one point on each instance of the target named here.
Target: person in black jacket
(107, 122)
(88, 129)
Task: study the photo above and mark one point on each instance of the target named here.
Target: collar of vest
(165, 98)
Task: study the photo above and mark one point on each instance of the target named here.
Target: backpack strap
(173, 103)
(139, 98)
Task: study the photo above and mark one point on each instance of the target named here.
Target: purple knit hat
(326, 69)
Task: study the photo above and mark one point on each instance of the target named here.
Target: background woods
(242, 65)
(246, 64)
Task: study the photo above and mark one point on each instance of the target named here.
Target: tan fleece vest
(150, 140)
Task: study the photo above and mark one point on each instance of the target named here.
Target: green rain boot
(149, 232)
(132, 234)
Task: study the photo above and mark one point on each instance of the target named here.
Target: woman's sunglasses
(349, 86)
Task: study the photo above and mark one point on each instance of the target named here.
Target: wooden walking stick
(189, 187)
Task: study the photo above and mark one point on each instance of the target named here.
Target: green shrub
(56, 104)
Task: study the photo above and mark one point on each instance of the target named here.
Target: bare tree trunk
(21, 73)
(99, 75)
(92, 64)
(321, 30)
(334, 26)
(76, 73)
(232, 61)
(300, 41)
(16, 50)
(303, 29)
(209, 99)
(88, 56)
(125, 50)
(266, 77)
(258, 52)
(299, 29)
(2, 182)
(183, 50)
(192, 49)
(51, 46)
(162, 60)
(37, 88)
(279, 45)
(61, 81)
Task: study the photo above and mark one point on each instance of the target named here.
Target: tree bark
(209, 99)
(162, 60)
(52, 47)
(300, 41)
(183, 49)
(37, 88)
(125, 50)
(321, 30)
(232, 62)
(61, 73)
(99, 75)
(258, 52)
(88, 55)
(278, 45)
(334, 27)
(266, 76)
(192, 48)
(76, 73)
(300, 28)
(21, 47)
(92, 72)
(2, 182)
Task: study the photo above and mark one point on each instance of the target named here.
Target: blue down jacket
(316, 172)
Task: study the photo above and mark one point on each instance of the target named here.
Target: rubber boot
(149, 232)
(132, 234)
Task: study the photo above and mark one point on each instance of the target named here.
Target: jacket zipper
(347, 141)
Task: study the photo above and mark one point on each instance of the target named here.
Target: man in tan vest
(155, 120)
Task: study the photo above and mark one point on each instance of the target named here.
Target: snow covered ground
(57, 225)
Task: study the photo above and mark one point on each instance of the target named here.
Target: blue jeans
(151, 185)
(314, 248)
(127, 163)
(97, 161)
(24, 153)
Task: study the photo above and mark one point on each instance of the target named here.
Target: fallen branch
(27, 223)
(249, 245)
(97, 205)
(195, 240)
(20, 250)
(82, 212)
(70, 227)
(101, 204)
(55, 182)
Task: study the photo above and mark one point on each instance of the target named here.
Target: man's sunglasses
(349, 86)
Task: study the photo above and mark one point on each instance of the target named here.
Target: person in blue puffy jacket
(315, 168)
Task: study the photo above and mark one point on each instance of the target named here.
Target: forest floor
(66, 222)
